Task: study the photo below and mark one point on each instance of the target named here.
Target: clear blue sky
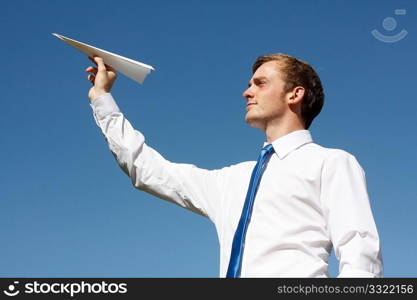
(67, 210)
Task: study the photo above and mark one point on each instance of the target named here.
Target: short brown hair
(298, 73)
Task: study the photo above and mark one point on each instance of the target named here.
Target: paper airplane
(129, 67)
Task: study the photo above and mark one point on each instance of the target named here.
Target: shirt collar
(291, 141)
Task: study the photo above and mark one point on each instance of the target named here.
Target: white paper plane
(129, 67)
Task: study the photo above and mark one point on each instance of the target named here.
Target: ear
(296, 95)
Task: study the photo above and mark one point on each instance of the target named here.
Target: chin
(253, 122)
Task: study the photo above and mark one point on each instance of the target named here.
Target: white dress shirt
(310, 198)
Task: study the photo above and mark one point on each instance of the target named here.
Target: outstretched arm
(196, 189)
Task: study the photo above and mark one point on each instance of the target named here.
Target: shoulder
(237, 169)
(338, 159)
(240, 167)
(323, 154)
(330, 154)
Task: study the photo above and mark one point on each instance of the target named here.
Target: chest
(289, 192)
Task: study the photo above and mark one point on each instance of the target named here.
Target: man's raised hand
(102, 77)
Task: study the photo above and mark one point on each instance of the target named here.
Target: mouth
(249, 105)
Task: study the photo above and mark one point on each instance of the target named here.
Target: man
(302, 198)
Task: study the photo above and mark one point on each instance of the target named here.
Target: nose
(248, 94)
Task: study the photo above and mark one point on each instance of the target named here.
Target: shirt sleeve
(349, 217)
(193, 188)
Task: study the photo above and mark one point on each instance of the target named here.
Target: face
(266, 102)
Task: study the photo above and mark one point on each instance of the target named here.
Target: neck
(275, 131)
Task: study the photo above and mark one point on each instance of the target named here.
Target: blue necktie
(235, 262)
